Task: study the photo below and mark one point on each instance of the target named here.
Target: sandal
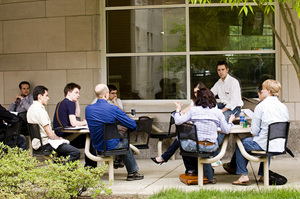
(241, 183)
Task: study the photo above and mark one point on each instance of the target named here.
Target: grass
(274, 193)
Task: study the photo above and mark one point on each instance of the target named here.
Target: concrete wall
(49, 43)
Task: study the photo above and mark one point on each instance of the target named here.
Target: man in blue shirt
(102, 113)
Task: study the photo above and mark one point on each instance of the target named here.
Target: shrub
(23, 176)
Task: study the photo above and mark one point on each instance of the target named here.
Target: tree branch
(290, 31)
(293, 23)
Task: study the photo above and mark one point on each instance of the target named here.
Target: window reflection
(222, 28)
(153, 77)
(111, 3)
(146, 30)
(249, 69)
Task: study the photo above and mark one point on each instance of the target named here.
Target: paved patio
(158, 177)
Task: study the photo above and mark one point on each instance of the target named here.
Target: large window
(158, 49)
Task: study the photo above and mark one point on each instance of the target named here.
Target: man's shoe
(229, 169)
(135, 176)
(118, 164)
(217, 164)
(189, 173)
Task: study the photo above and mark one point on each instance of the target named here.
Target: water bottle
(242, 118)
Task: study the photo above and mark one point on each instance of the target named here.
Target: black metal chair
(13, 131)
(34, 133)
(165, 135)
(277, 132)
(189, 131)
(110, 131)
(143, 133)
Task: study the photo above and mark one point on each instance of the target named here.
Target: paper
(248, 112)
(76, 127)
(56, 143)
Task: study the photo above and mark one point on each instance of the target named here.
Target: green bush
(23, 176)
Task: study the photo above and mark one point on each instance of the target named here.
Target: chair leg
(29, 146)
(159, 148)
(266, 172)
(200, 173)
(111, 170)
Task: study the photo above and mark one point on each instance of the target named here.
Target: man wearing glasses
(113, 97)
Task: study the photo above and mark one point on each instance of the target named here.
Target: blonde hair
(273, 86)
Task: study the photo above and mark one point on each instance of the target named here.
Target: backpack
(276, 179)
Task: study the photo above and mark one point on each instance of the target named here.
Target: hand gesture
(18, 97)
(178, 105)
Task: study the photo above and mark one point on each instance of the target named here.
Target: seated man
(113, 97)
(37, 114)
(10, 118)
(66, 113)
(21, 104)
(102, 113)
(270, 110)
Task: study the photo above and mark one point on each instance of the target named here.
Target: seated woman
(207, 119)
(172, 149)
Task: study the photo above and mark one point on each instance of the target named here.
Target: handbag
(276, 179)
(191, 180)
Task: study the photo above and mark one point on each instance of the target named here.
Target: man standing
(113, 97)
(269, 111)
(229, 91)
(102, 113)
(66, 113)
(10, 118)
(37, 114)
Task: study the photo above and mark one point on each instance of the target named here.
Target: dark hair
(222, 63)
(111, 87)
(205, 98)
(198, 85)
(23, 82)
(70, 87)
(39, 90)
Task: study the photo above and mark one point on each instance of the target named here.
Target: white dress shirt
(268, 111)
(229, 92)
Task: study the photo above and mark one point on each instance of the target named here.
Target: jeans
(128, 159)
(66, 150)
(170, 151)
(241, 161)
(227, 115)
(21, 142)
(191, 163)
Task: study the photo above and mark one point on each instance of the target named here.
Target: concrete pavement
(158, 177)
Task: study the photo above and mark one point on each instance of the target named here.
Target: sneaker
(217, 164)
(118, 164)
(135, 176)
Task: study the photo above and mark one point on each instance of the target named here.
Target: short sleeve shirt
(37, 114)
(66, 108)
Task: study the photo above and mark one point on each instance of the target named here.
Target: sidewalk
(158, 177)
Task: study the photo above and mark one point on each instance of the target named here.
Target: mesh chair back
(34, 132)
(143, 132)
(13, 131)
(278, 132)
(110, 131)
(189, 131)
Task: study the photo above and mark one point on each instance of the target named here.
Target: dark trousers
(170, 151)
(191, 165)
(79, 143)
(66, 150)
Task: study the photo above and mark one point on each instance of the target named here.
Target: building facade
(152, 50)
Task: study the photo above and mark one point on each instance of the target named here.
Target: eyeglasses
(114, 93)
